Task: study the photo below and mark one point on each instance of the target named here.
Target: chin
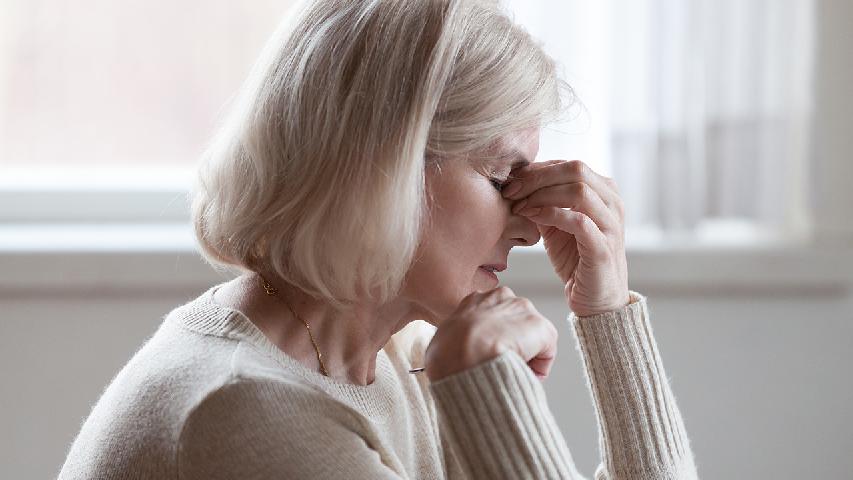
(447, 301)
(451, 303)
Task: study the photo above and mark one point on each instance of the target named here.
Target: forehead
(514, 151)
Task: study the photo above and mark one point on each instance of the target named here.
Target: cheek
(483, 222)
(438, 283)
(452, 249)
(468, 219)
(468, 231)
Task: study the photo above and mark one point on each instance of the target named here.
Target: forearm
(496, 420)
(642, 435)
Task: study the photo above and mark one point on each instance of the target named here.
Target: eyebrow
(521, 159)
(507, 153)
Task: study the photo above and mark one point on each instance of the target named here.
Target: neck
(349, 342)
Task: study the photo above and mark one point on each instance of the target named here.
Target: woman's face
(471, 225)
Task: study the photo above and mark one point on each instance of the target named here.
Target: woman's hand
(586, 244)
(486, 324)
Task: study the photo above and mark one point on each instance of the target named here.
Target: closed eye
(497, 183)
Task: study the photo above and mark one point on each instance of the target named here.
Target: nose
(522, 230)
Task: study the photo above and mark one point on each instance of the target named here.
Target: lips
(495, 267)
(489, 273)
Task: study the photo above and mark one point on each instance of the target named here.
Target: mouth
(494, 267)
(490, 270)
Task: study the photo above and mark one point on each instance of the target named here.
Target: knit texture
(208, 396)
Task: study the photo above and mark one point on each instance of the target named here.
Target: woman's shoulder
(148, 398)
(146, 410)
(170, 366)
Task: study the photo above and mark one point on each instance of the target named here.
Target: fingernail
(530, 211)
(512, 188)
(518, 206)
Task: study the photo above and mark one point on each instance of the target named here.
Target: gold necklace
(272, 291)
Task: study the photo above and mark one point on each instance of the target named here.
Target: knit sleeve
(641, 432)
(498, 424)
(263, 430)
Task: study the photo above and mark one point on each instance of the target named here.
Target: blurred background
(725, 123)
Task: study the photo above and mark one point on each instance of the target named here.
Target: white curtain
(699, 109)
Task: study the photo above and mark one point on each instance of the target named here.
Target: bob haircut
(317, 173)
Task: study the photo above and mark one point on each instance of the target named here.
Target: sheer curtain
(699, 110)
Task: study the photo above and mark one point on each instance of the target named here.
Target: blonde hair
(318, 173)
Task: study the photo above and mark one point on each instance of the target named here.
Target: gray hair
(318, 172)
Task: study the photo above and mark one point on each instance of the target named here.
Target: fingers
(541, 364)
(592, 243)
(578, 196)
(499, 295)
(488, 324)
(504, 292)
(558, 172)
(538, 165)
(537, 345)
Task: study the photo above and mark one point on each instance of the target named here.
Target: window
(106, 108)
(699, 110)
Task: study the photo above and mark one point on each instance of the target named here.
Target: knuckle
(524, 303)
(584, 190)
(620, 207)
(554, 332)
(505, 291)
(577, 167)
(579, 221)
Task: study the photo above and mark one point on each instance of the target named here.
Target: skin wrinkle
(470, 224)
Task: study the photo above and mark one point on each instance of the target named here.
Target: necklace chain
(273, 292)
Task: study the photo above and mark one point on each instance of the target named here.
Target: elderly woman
(371, 179)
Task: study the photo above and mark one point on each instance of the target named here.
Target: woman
(361, 188)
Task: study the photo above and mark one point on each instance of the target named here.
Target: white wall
(761, 375)
(833, 133)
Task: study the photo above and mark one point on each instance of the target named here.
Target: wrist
(583, 311)
(444, 362)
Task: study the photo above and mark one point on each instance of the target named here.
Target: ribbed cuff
(498, 423)
(641, 432)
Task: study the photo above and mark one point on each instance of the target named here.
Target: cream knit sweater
(210, 397)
